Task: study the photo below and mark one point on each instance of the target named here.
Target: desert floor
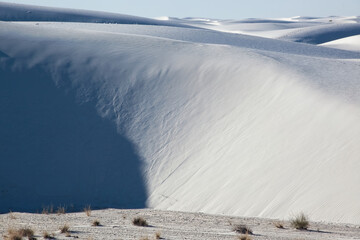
(117, 224)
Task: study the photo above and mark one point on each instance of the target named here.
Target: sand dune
(175, 118)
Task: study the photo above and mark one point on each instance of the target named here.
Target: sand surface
(117, 224)
(247, 118)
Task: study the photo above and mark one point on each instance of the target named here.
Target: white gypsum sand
(178, 115)
(117, 224)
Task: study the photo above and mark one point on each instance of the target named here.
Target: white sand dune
(299, 29)
(208, 37)
(322, 34)
(22, 12)
(349, 43)
(177, 119)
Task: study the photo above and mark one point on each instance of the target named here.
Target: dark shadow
(54, 152)
(3, 55)
(75, 231)
(318, 231)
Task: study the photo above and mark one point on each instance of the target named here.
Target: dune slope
(23, 12)
(180, 122)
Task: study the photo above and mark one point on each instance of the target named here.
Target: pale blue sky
(224, 9)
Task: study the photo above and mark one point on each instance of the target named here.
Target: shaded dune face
(321, 34)
(55, 151)
(21, 12)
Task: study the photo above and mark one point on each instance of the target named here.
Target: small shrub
(13, 237)
(96, 223)
(60, 210)
(48, 209)
(300, 222)
(65, 229)
(47, 235)
(279, 225)
(139, 221)
(87, 210)
(12, 215)
(26, 232)
(245, 237)
(240, 228)
(15, 234)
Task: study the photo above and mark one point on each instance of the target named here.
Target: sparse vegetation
(300, 222)
(241, 228)
(47, 235)
(61, 210)
(48, 209)
(26, 232)
(139, 221)
(96, 223)
(201, 225)
(279, 225)
(65, 229)
(12, 215)
(245, 237)
(15, 234)
(87, 210)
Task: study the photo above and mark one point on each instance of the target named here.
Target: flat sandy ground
(117, 224)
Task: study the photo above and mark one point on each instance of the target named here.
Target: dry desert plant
(300, 222)
(45, 211)
(47, 235)
(61, 210)
(15, 234)
(245, 237)
(96, 223)
(157, 235)
(279, 225)
(139, 221)
(12, 215)
(65, 229)
(27, 232)
(12, 236)
(87, 210)
(241, 228)
(48, 209)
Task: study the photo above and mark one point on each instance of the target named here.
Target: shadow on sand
(54, 152)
